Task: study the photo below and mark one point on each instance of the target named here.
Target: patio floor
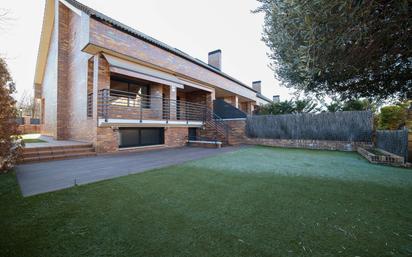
(44, 177)
(49, 141)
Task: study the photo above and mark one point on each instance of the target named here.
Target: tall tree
(353, 48)
(289, 106)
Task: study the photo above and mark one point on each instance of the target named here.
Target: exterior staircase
(214, 129)
(38, 154)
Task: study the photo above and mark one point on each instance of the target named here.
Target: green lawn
(257, 201)
(32, 138)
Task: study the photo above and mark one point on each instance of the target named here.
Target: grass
(32, 138)
(253, 202)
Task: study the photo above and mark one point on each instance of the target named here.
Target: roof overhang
(45, 39)
(132, 69)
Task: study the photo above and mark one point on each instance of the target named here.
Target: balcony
(120, 108)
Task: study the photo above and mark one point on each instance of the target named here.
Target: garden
(256, 201)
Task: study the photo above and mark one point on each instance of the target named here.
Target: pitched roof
(263, 97)
(99, 16)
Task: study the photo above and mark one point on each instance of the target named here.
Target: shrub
(392, 117)
(10, 141)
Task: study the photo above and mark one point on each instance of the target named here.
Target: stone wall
(237, 136)
(309, 144)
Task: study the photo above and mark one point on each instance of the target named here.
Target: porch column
(173, 97)
(101, 80)
(156, 102)
(235, 101)
(252, 107)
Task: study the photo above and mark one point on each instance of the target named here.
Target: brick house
(102, 82)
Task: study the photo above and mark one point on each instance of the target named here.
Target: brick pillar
(236, 101)
(62, 67)
(252, 107)
(172, 97)
(156, 102)
(106, 137)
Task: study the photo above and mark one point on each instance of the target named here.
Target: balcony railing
(115, 104)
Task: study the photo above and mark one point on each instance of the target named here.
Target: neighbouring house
(100, 81)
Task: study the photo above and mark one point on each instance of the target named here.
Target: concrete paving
(50, 142)
(50, 176)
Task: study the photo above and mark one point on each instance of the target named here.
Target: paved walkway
(44, 177)
(49, 141)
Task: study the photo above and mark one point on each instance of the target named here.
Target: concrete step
(54, 148)
(39, 154)
(57, 157)
(57, 152)
(204, 143)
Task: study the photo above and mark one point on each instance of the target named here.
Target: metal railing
(218, 125)
(90, 105)
(129, 105)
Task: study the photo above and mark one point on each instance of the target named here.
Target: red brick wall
(237, 134)
(106, 36)
(176, 136)
(62, 74)
(107, 140)
(30, 129)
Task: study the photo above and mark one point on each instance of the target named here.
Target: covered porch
(139, 96)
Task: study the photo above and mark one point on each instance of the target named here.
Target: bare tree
(26, 105)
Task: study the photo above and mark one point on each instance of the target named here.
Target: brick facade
(237, 134)
(107, 140)
(176, 136)
(108, 37)
(73, 72)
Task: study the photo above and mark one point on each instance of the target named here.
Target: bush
(10, 141)
(392, 117)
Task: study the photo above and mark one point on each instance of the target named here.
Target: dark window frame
(130, 82)
(161, 138)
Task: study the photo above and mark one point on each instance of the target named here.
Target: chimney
(215, 59)
(257, 85)
(276, 98)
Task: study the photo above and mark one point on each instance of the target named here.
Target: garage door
(132, 137)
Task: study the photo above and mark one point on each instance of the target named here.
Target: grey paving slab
(50, 176)
(49, 142)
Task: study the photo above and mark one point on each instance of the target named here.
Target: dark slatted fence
(393, 141)
(339, 126)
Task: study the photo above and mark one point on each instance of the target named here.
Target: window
(131, 90)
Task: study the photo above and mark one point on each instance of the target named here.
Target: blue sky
(195, 27)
